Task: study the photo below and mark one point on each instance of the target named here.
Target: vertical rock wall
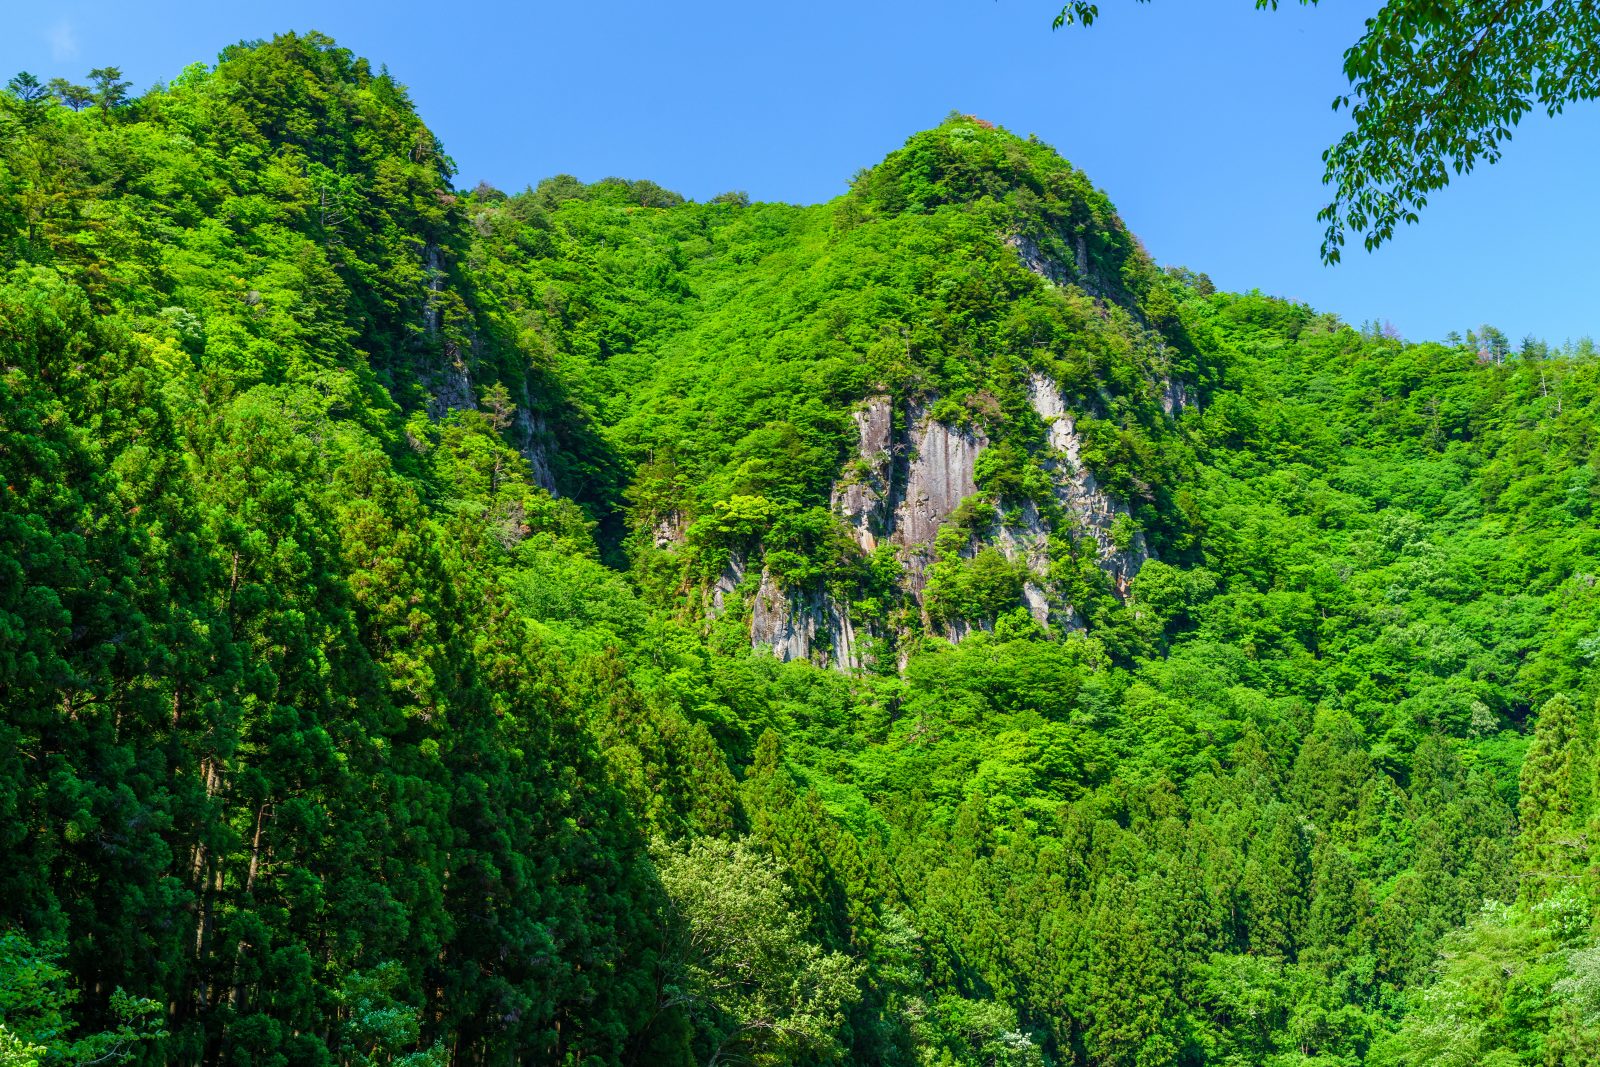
(861, 496)
(531, 435)
(940, 471)
(451, 382)
(803, 625)
(1090, 510)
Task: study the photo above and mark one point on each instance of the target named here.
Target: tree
(77, 97)
(35, 1012)
(1131, 1016)
(26, 87)
(1435, 88)
(499, 406)
(740, 964)
(31, 98)
(1554, 790)
(1495, 344)
(110, 90)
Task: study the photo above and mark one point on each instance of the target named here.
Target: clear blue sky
(1203, 119)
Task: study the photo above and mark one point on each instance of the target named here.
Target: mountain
(583, 625)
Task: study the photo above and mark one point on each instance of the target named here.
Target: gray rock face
(1091, 510)
(1034, 258)
(903, 491)
(899, 490)
(726, 583)
(1028, 538)
(902, 488)
(790, 624)
(451, 383)
(861, 497)
(669, 530)
(433, 271)
(778, 622)
(940, 472)
(533, 439)
(1175, 398)
(844, 652)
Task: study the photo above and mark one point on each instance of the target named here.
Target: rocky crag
(905, 481)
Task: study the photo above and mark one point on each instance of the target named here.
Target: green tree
(77, 97)
(1435, 89)
(110, 90)
(739, 963)
(36, 1024)
(1131, 1017)
(29, 99)
(1554, 792)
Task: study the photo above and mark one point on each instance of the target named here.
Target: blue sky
(1203, 119)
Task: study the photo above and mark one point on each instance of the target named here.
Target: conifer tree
(1553, 793)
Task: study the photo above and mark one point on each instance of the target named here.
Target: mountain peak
(1031, 192)
(966, 160)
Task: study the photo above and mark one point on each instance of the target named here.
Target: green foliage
(741, 964)
(377, 572)
(36, 1025)
(1435, 89)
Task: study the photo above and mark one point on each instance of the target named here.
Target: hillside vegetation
(583, 626)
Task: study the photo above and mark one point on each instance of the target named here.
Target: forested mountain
(586, 626)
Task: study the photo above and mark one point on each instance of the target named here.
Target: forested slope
(585, 626)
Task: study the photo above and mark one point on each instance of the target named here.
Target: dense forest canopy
(586, 626)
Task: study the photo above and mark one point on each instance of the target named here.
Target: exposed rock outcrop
(1091, 510)
(780, 622)
(1027, 537)
(669, 530)
(450, 382)
(1034, 258)
(433, 273)
(1175, 397)
(902, 489)
(861, 497)
(533, 439)
(798, 625)
(726, 583)
(903, 486)
(940, 472)
(452, 386)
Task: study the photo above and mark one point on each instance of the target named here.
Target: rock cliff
(903, 484)
(861, 495)
(1090, 511)
(803, 624)
(939, 472)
